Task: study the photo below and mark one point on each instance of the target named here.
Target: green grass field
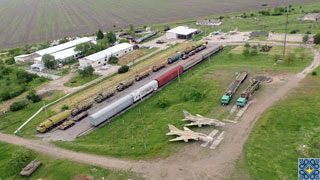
(52, 168)
(286, 132)
(80, 80)
(140, 132)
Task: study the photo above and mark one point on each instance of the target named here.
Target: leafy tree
(123, 69)
(317, 38)
(88, 71)
(64, 40)
(25, 77)
(102, 44)
(10, 61)
(254, 52)
(49, 61)
(314, 73)
(305, 38)
(123, 40)
(99, 34)
(84, 47)
(64, 108)
(113, 60)
(16, 106)
(111, 36)
(32, 96)
(246, 52)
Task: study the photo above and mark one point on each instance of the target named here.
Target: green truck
(247, 93)
(226, 98)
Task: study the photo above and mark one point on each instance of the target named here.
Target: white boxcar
(111, 110)
(144, 90)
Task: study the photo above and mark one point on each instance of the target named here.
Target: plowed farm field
(32, 21)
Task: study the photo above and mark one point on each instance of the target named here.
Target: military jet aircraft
(186, 134)
(199, 120)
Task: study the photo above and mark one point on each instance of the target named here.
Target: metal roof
(63, 46)
(61, 54)
(187, 31)
(108, 52)
(178, 29)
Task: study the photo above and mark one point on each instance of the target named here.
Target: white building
(60, 52)
(181, 32)
(101, 58)
(210, 22)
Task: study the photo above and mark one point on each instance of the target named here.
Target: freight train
(121, 104)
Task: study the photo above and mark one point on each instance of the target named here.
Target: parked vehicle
(83, 106)
(65, 125)
(80, 116)
(125, 84)
(233, 87)
(160, 41)
(247, 93)
(159, 66)
(174, 58)
(104, 95)
(53, 121)
(30, 168)
(142, 75)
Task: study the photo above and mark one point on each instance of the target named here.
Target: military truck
(159, 66)
(175, 58)
(80, 116)
(83, 106)
(53, 121)
(105, 95)
(65, 125)
(30, 168)
(247, 93)
(233, 87)
(142, 75)
(123, 85)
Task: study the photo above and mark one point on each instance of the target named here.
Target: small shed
(311, 17)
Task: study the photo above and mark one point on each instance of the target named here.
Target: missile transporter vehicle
(123, 85)
(247, 93)
(80, 116)
(142, 75)
(159, 66)
(53, 121)
(233, 87)
(65, 125)
(104, 95)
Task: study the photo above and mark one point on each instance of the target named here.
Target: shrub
(162, 102)
(64, 107)
(314, 73)
(254, 52)
(10, 61)
(197, 95)
(88, 71)
(246, 52)
(18, 160)
(123, 40)
(123, 69)
(32, 96)
(317, 38)
(247, 45)
(113, 60)
(16, 106)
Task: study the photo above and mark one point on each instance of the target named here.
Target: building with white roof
(311, 17)
(101, 58)
(60, 52)
(181, 32)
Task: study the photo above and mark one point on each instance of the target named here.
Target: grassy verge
(140, 132)
(80, 80)
(286, 132)
(135, 55)
(10, 121)
(56, 168)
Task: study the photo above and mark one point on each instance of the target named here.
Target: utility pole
(285, 35)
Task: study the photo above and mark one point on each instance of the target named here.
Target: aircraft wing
(183, 138)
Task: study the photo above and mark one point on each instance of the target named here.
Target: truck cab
(225, 100)
(241, 102)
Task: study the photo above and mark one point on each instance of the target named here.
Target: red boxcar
(170, 75)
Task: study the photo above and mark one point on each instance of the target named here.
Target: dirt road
(193, 161)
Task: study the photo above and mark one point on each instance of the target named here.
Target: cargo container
(53, 121)
(170, 75)
(111, 110)
(144, 90)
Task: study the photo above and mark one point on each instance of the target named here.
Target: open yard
(140, 132)
(286, 132)
(38, 21)
(52, 168)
